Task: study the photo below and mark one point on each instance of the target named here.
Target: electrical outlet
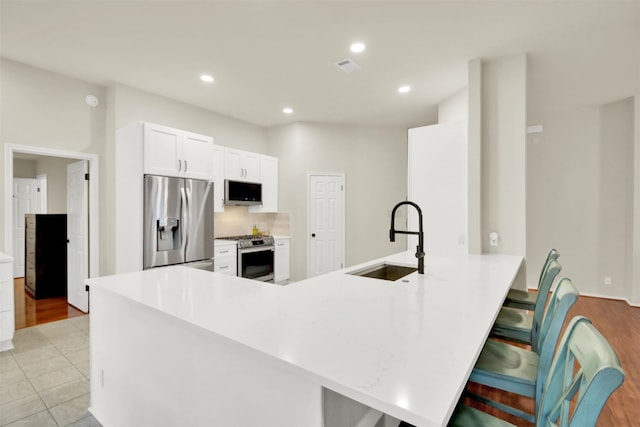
(607, 280)
(493, 238)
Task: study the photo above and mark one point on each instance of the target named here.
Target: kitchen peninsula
(181, 346)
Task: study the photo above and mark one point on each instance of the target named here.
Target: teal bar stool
(517, 325)
(517, 370)
(517, 298)
(584, 373)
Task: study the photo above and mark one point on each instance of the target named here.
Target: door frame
(43, 206)
(343, 213)
(94, 236)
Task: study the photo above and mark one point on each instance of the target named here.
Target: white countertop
(222, 242)
(405, 349)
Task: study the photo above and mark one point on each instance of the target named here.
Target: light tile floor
(44, 380)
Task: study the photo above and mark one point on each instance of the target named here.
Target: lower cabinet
(7, 320)
(225, 257)
(281, 260)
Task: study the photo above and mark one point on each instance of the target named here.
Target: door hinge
(342, 188)
(86, 177)
(341, 265)
(38, 189)
(86, 288)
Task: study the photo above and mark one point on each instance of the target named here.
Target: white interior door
(77, 234)
(326, 224)
(25, 200)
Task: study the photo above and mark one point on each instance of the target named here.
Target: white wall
(44, 109)
(635, 254)
(23, 168)
(56, 170)
(504, 91)
(455, 108)
(133, 105)
(580, 196)
(374, 163)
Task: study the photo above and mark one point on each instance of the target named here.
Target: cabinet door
(197, 156)
(251, 164)
(218, 178)
(233, 168)
(269, 180)
(281, 260)
(162, 150)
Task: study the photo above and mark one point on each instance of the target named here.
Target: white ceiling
(266, 55)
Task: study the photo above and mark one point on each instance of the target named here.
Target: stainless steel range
(255, 256)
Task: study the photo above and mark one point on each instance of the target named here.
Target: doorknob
(313, 235)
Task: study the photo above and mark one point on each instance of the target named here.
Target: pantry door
(326, 237)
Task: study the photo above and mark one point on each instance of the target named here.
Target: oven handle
(257, 249)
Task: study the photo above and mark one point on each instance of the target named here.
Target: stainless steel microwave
(242, 193)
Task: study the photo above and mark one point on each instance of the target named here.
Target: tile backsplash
(237, 220)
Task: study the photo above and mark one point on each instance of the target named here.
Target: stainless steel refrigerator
(178, 222)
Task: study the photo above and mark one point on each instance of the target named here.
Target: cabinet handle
(179, 165)
(223, 267)
(185, 165)
(224, 252)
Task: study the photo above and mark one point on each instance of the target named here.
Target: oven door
(256, 263)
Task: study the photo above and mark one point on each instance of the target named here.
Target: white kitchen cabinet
(7, 317)
(241, 165)
(281, 260)
(269, 180)
(437, 182)
(218, 178)
(173, 152)
(225, 259)
(197, 156)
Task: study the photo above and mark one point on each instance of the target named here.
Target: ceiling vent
(347, 65)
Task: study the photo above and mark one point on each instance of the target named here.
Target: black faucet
(393, 232)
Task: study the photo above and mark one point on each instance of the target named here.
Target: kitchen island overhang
(175, 341)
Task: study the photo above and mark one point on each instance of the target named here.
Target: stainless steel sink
(385, 271)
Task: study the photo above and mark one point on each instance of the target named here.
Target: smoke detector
(92, 100)
(348, 65)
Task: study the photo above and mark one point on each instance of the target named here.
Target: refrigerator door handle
(184, 213)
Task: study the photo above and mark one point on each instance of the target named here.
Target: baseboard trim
(602, 297)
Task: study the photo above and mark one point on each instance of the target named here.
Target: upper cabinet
(172, 152)
(269, 180)
(241, 165)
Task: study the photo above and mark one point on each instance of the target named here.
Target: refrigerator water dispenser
(168, 234)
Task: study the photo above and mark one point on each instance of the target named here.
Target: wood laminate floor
(620, 324)
(31, 312)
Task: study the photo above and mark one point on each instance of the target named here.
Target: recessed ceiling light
(206, 78)
(358, 47)
(404, 89)
(287, 110)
